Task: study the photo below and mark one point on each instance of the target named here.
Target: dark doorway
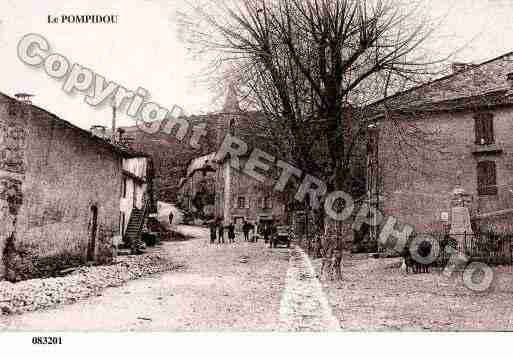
(123, 223)
(92, 235)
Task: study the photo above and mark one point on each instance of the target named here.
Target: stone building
(240, 198)
(454, 132)
(137, 200)
(60, 192)
(170, 155)
(137, 197)
(216, 190)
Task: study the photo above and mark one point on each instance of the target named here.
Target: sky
(143, 49)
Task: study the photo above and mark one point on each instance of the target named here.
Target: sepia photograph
(255, 166)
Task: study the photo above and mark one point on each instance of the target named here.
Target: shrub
(150, 239)
(23, 261)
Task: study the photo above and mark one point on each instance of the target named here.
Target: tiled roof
(479, 102)
(123, 151)
(484, 84)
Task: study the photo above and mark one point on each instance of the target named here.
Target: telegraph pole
(113, 134)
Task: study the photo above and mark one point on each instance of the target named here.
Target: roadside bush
(150, 239)
(22, 261)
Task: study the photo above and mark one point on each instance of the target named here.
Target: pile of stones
(78, 283)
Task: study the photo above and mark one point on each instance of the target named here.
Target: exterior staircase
(135, 224)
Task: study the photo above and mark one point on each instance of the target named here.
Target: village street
(247, 286)
(241, 286)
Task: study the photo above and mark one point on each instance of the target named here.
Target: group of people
(217, 231)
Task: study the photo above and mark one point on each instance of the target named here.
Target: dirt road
(375, 295)
(215, 291)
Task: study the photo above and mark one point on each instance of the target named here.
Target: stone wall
(65, 172)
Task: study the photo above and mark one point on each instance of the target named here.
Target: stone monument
(460, 214)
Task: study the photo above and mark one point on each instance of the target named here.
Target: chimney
(98, 130)
(24, 97)
(461, 66)
(509, 78)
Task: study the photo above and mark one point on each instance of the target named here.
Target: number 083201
(46, 340)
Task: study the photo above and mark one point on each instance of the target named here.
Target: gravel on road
(84, 282)
(227, 287)
(375, 295)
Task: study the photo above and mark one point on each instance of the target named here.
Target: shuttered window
(486, 178)
(241, 202)
(484, 129)
(372, 140)
(268, 203)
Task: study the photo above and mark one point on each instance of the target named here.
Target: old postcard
(255, 165)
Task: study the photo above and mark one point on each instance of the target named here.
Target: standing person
(221, 233)
(245, 229)
(231, 232)
(253, 231)
(213, 232)
(266, 232)
(171, 218)
(253, 236)
(272, 234)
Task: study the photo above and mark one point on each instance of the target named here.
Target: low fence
(487, 247)
(490, 248)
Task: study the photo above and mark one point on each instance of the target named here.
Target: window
(359, 180)
(231, 126)
(241, 202)
(372, 139)
(483, 126)
(12, 109)
(486, 178)
(267, 203)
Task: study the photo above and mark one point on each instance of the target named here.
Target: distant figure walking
(246, 227)
(271, 231)
(221, 233)
(213, 232)
(267, 232)
(231, 233)
(171, 218)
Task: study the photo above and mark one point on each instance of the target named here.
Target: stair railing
(144, 212)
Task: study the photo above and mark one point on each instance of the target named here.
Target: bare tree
(311, 65)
